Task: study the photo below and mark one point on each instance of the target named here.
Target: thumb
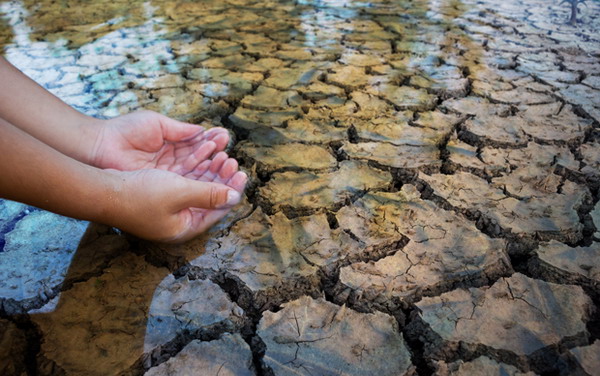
(206, 195)
(174, 130)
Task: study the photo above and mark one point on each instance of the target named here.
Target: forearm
(36, 174)
(38, 112)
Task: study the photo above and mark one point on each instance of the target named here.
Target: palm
(149, 141)
(146, 139)
(220, 169)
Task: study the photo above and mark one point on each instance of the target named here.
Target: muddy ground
(423, 196)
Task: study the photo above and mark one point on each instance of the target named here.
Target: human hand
(146, 139)
(164, 206)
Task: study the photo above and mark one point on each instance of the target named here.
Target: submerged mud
(423, 194)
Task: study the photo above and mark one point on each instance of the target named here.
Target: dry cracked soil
(423, 195)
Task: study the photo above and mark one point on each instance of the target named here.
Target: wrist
(90, 131)
(114, 202)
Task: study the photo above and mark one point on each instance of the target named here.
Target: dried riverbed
(423, 197)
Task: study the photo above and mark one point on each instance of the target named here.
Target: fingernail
(233, 198)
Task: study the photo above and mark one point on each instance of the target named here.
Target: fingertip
(238, 181)
(229, 167)
(233, 198)
(216, 131)
(221, 139)
(175, 130)
(218, 161)
(205, 150)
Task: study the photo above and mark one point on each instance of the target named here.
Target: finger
(221, 134)
(203, 219)
(217, 162)
(201, 154)
(174, 130)
(208, 196)
(238, 181)
(221, 139)
(200, 170)
(216, 131)
(229, 167)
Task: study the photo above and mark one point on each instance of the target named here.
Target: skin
(147, 174)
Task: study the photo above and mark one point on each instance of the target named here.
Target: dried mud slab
(446, 81)
(266, 98)
(536, 155)
(397, 131)
(552, 123)
(584, 96)
(348, 77)
(564, 264)
(293, 242)
(237, 82)
(320, 90)
(551, 216)
(371, 107)
(591, 158)
(516, 316)
(494, 131)
(186, 306)
(442, 122)
(588, 357)
(177, 255)
(315, 337)
(298, 130)
(360, 60)
(13, 348)
(264, 254)
(10, 213)
(292, 78)
(292, 156)
(464, 156)
(312, 238)
(443, 249)
(482, 366)
(530, 181)
(98, 326)
(476, 106)
(250, 119)
(520, 95)
(186, 105)
(425, 157)
(305, 190)
(404, 97)
(35, 262)
(228, 356)
(596, 219)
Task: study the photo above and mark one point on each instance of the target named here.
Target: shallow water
(398, 152)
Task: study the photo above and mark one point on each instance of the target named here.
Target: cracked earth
(423, 196)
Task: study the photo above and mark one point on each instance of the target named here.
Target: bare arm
(39, 113)
(153, 204)
(36, 174)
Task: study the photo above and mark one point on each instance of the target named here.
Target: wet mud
(423, 194)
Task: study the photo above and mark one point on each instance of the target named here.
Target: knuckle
(215, 197)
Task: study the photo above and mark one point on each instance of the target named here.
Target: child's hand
(173, 189)
(147, 139)
(164, 206)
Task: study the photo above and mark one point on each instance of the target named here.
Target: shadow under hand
(121, 306)
(97, 326)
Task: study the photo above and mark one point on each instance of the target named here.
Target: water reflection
(80, 22)
(196, 60)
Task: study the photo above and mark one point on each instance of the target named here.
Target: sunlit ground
(423, 196)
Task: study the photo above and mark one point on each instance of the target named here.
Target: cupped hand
(146, 139)
(177, 179)
(167, 207)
